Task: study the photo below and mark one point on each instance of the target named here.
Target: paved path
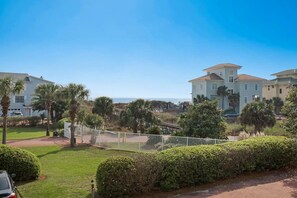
(274, 184)
(278, 184)
(45, 141)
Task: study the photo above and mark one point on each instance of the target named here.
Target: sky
(145, 48)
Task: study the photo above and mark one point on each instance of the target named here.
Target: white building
(22, 102)
(226, 74)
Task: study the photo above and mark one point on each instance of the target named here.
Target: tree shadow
(292, 184)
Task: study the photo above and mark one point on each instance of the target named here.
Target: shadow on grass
(67, 148)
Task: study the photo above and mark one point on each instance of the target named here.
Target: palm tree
(199, 99)
(223, 92)
(8, 87)
(46, 95)
(277, 103)
(75, 94)
(259, 114)
(234, 100)
(103, 106)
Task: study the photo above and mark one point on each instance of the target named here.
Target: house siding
(28, 93)
(238, 86)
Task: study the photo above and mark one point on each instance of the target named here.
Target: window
(221, 73)
(19, 99)
(268, 87)
(246, 86)
(230, 91)
(214, 86)
(280, 91)
(272, 86)
(231, 79)
(253, 96)
(256, 86)
(245, 99)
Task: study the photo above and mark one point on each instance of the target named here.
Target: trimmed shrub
(23, 163)
(60, 124)
(115, 177)
(123, 176)
(185, 166)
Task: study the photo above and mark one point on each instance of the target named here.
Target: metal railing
(134, 141)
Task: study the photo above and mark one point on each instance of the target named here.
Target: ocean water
(173, 100)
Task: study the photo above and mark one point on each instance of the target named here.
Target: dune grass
(65, 172)
(21, 133)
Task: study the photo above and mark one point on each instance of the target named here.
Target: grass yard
(21, 133)
(66, 172)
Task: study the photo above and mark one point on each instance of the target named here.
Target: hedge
(186, 166)
(123, 176)
(23, 163)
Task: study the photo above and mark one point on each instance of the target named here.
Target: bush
(60, 124)
(186, 166)
(115, 177)
(123, 176)
(24, 164)
(33, 121)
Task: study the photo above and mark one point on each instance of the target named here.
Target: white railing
(134, 141)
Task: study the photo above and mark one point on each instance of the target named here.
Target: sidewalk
(277, 184)
(273, 184)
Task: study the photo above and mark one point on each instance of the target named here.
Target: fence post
(99, 137)
(187, 141)
(81, 134)
(162, 141)
(215, 141)
(119, 139)
(92, 189)
(139, 141)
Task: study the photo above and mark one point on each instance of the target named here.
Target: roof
(211, 76)
(285, 72)
(223, 65)
(245, 77)
(20, 76)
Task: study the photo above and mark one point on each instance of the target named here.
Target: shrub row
(24, 164)
(186, 166)
(21, 121)
(123, 176)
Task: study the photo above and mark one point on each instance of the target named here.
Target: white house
(226, 74)
(22, 102)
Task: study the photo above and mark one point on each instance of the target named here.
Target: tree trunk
(72, 129)
(48, 121)
(5, 102)
(223, 100)
(4, 129)
(73, 109)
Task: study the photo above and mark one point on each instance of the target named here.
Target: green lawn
(67, 171)
(19, 133)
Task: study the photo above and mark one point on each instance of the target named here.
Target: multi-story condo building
(226, 74)
(280, 86)
(22, 102)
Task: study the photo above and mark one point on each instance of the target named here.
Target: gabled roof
(245, 77)
(223, 65)
(20, 76)
(285, 72)
(211, 76)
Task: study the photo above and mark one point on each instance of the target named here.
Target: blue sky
(145, 48)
